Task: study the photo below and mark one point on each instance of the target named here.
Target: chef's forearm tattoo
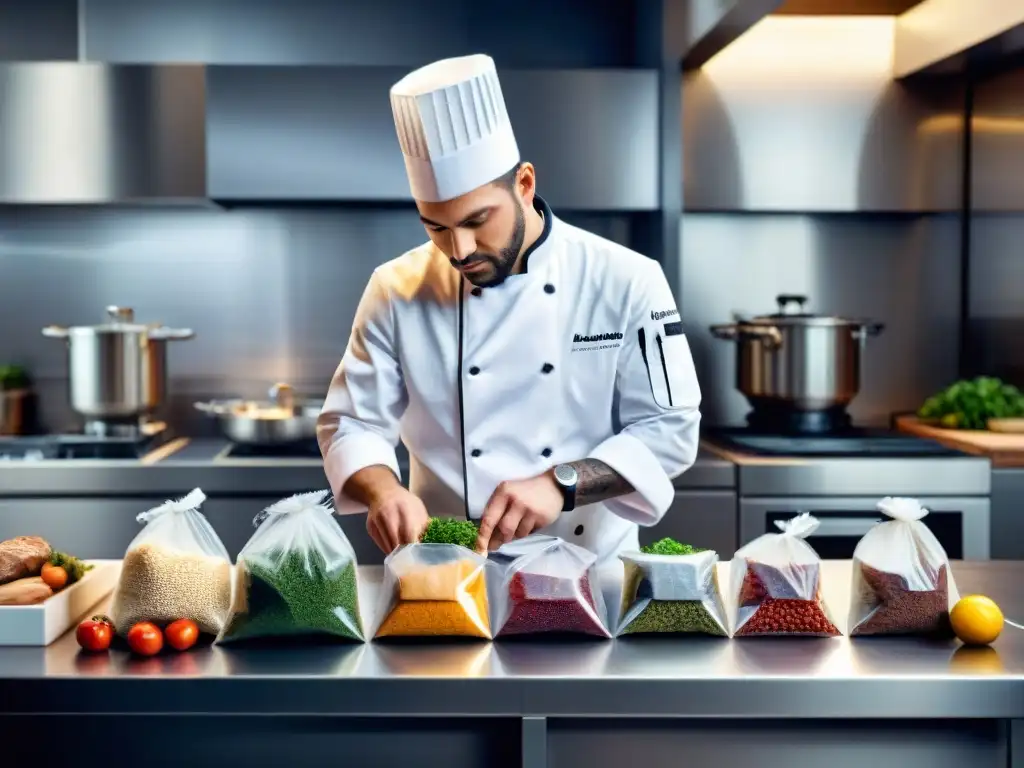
(596, 481)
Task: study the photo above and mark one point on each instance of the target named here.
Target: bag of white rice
(175, 568)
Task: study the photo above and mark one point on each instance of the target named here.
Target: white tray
(44, 622)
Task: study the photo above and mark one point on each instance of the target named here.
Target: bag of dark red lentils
(671, 588)
(775, 581)
(552, 588)
(902, 584)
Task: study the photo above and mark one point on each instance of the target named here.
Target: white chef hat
(453, 127)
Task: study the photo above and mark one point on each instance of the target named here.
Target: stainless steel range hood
(88, 133)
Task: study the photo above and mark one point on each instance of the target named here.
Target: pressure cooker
(117, 369)
(797, 360)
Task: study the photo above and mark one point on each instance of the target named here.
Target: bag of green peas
(295, 576)
(671, 588)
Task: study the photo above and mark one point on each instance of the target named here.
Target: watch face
(565, 474)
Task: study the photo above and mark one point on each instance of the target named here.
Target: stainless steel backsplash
(902, 271)
(270, 292)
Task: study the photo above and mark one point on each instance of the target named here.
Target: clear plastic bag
(553, 587)
(901, 577)
(296, 575)
(434, 590)
(175, 568)
(671, 594)
(776, 583)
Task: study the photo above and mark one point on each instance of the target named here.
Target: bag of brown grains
(175, 568)
(552, 588)
(436, 589)
(775, 581)
(671, 588)
(295, 576)
(901, 579)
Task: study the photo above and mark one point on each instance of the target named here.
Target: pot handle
(56, 332)
(726, 331)
(867, 330)
(171, 334)
(211, 408)
(769, 334)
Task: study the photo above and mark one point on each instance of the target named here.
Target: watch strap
(569, 497)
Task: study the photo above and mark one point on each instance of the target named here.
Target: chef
(538, 374)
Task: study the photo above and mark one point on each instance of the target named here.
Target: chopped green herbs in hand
(74, 567)
(971, 403)
(446, 530)
(668, 546)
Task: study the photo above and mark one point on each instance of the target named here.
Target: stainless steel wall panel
(995, 326)
(997, 150)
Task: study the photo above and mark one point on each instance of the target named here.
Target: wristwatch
(565, 478)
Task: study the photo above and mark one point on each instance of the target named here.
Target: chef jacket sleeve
(658, 402)
(359, 424)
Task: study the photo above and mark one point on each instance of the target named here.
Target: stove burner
(851, 443)
(786, 421)
(78, 447)
(303, 449)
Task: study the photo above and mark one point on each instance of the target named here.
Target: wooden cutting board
(1003, 449)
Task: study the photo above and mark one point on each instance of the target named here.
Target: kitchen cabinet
(327, 134)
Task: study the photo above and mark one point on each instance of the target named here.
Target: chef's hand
(518, 508)
(396, 517)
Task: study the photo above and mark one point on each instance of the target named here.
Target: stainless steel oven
(961, 524)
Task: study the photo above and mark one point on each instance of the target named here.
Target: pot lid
(119, 320)
(792, 312)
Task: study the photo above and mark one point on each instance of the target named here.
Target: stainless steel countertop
(199, 464)
(673, 677)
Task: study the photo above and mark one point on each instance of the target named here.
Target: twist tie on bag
(300, 502)
(904, 510)
(188, 503)
(801, 526)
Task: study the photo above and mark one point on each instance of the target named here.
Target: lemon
(976, 620)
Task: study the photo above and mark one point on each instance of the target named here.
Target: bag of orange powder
(434, 590)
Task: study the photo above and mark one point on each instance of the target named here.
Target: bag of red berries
(902, 584)
(552, 587)
(775, 581)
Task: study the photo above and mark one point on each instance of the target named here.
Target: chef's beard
(501, 263)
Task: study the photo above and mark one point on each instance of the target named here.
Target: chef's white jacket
(582, 355)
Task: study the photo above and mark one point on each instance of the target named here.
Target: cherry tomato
(54, 576)
(145, 639)
(182, 634)
(95, 634)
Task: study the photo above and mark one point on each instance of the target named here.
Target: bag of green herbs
(296, 576)
(671, 588)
